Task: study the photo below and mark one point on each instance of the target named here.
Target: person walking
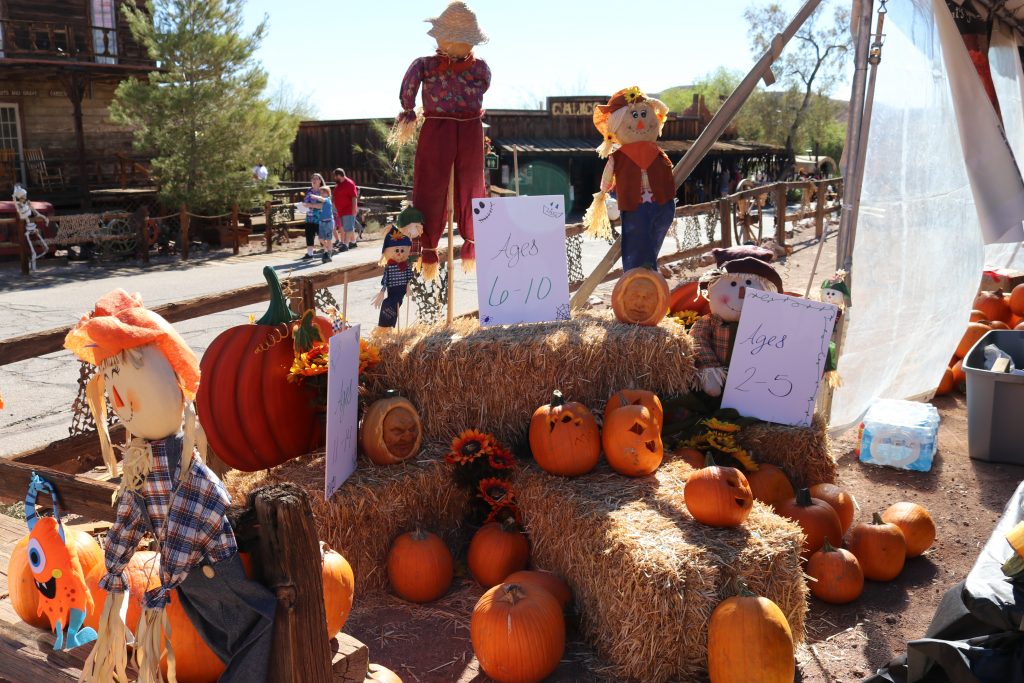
(346, 207)
(312, 203)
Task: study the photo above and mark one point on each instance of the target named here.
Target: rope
(197, 215)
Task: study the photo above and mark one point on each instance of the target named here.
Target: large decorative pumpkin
(993, 305)
(880, 548)
(632, 397)
(339, 588)
(841, 501)
(836, 576)
(686, 297)
(770, 484)
(496, 551)
(975, 331)
(816, 517)
(750, 640)
(632, 441)
(640, 297)
(549, 581)
(564, 437)
(391, 431)
(420, 566)
(518, 633)
(915, 522)
(718, 496)
(21, 586)
(253, 416)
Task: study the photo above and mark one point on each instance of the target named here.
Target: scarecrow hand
(379, 299)
(712, 380)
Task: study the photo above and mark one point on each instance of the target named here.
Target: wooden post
(267, 234)
(344, 299)
(725, 218)
(290, 563)
(21, 230)
(515, 166)
(144, 231)
(234, 228)
(307, 293)
(451, 244)
(780, 214)
(183, 221)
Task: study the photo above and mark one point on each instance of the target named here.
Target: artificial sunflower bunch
(684, 318)
(483, 467)
(719, 437)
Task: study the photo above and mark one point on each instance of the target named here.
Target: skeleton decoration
(27, 213)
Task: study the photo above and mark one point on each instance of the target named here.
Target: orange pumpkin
(632, 441)
(959, 376)
(691, 456)
(998, 325)
(880, 548)
(749, 640)
(624, 397)
(841, 501)
(915, 522)
(770, 484)
(977, 315)
(339, 588)
(946, 384)
(975, 331)
(24, 595)
(391, 431)
(1014, 565)
(640, 297)
(686, 297)
(1017, 300)
(836, 575)
(993, 305)
(380, 674)
(564, 437)
(816, 517)
(496, 551)
(718, 496)
(518, 633)
(549, 581)
(420, 566)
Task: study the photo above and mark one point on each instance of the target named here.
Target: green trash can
(995, 401)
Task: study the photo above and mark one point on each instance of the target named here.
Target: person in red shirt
(345, 197)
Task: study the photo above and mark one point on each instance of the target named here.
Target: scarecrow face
(401, 432)
(726, 294)
(833, 296)
(143, 391)
(412, 230)
(641, 124)
(454, 50)
(398, 254)
(640, 299)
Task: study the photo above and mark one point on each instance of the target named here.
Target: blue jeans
(643, 232)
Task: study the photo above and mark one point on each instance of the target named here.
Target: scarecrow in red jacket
(638, 172)
(453, 82)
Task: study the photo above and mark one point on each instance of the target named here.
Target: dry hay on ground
(373, 507)
(645, 575)
(804, 453)
(494, 378)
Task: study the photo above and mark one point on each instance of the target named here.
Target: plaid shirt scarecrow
(713, 339)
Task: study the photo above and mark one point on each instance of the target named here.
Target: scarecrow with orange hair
(638, 172)
(149, 376)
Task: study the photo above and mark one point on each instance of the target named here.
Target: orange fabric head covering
(121, 322)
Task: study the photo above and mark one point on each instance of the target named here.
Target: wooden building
(60, 62)
(555, 149)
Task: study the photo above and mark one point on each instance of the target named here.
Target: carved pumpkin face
(401, 432)
(391, 431)
(564, 438)
(143, 392)
(632, 441)
(640, 297)
(718, 496)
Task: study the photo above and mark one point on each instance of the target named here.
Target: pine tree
(202, 113)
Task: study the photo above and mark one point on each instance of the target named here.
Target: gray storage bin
(995, 401)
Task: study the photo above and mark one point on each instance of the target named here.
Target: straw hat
(457, 24)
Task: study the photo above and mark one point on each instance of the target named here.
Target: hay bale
(374, 506)
(645, 575)
(495, 377)
(805, 454)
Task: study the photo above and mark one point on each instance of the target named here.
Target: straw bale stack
(805, 454)
(646, 576)
(495, 377)
(373, 507)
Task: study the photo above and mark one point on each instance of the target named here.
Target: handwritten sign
(778, 358)
(522, 275)
(342, 408)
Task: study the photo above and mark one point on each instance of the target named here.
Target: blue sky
(349, 57)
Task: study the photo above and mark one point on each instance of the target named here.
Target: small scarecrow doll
(638, 172)
(834, 291)
(738, 269)
(453, 81)
(397, 273)
(149, 376)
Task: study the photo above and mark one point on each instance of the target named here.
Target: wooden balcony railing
(75, 42)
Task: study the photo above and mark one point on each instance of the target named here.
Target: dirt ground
(846, 643)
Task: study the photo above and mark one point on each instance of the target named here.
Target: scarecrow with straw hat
(451, 140)
(639, 173)
(149, 376)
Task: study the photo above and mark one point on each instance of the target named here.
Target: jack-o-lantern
(642, 397)
(718, 496)
(564, 437)
(632, 441)
(640, 297)
(391, 431)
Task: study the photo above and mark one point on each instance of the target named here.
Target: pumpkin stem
(557, 399)
(743, 590)
(827, 547)
(622, 399)
(709, 460)
(278, 312)
(803, 497)
(390, 393)
(508, 525)
(876, 518)
(512, 593)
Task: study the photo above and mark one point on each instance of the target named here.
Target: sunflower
(721, 425)
(501, 458)
(309, 363)
(495, 491)
(468, 446)
(685, 318)
(503, 512)
(746, 460)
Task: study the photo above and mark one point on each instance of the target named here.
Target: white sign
(521, 270)
(342, 409)
(779, 356)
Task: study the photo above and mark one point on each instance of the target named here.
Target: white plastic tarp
(918, 253)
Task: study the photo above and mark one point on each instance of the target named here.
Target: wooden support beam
(183, 220)
(234, 229)
(350, 661)
(780, 214)
(819, 209)
(267, 231)
(80, 495)
(72, 455)
(725, 220)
